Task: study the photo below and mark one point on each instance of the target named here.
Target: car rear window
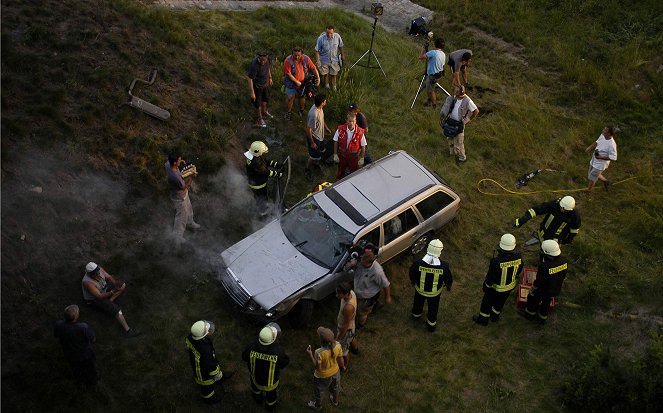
(434, 204)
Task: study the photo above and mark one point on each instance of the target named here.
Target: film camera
(377, 9)
(418, 28)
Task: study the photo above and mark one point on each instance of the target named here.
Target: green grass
(65, 74)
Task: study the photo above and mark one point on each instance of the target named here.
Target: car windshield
(314, 234)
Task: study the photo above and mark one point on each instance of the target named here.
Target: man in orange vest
(349, 146)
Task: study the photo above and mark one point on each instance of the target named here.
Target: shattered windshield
(314, 234)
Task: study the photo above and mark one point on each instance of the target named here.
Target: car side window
(434, 204)
(373, 237)
(399, 224)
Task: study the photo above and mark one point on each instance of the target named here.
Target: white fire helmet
(508, 242)
(550, 247)
(258, 148)
(567, 203)
(200, 329)
(435, 248)
(268, 334)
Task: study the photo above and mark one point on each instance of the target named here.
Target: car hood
(269, 266)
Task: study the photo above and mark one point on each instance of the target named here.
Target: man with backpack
(296, 69)
(457, 111)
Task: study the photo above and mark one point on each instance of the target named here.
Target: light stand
(423, 78)
(370, 52)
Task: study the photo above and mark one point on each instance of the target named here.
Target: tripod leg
(445, 91)
(418, 91)
(359, 60)
(376, 59)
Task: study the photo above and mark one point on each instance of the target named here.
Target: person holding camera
(329, 55)
(295, 70)
(434, 68)
(605, 150)
(458, 110)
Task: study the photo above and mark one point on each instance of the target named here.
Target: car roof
(374, 189)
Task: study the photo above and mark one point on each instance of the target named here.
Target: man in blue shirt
(434, 69)
(329, 55)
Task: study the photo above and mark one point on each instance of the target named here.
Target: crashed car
(395, 203)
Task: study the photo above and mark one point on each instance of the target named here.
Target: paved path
(397, 13)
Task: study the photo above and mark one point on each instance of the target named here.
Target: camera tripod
(370, 52)
(423, 78)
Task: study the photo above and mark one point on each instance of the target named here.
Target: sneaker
(195, 225)
(334, 87)
(313, 405)
(261, 123)
(460, 161)
(307, 175)
(132, 332)
(334, 402)
(524, 314)
(267, 115)
(301, 112)
(606, 184)
(327, 85)
(288, 116)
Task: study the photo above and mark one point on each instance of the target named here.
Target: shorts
(331, 384)
(330, 69)
(431, 80)
(292, 92)
(106, 306)
(365, 305)
(345, 341)
(315, 154)
(262, 95)
(593, 174)
(452, 65)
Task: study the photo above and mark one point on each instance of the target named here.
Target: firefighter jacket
(258, 171)
(429, 279)
(503, 271)
(562, 226)
(550, 275)
(203, 360)
(265, 364)
(352, 148)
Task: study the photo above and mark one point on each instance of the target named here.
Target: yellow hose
(510, 192)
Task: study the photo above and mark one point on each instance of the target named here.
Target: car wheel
(420, 244)
(301, 314)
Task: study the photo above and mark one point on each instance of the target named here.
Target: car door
(436, 210)
(399, 232)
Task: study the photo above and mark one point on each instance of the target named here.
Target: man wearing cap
(76, 339)
(550, 276)
(501, 279)
(100, 290)
(265, 358)
(328, 363)
(349, 146)
(369, 280)
(260, 80)
(179, 194)
(561, 223)
(429, 275)
(206, 368)
(345, 320)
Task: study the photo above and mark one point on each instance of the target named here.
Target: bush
(605, 383)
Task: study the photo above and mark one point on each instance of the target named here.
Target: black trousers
(493, 303)
(271, 396)
(538, 302)
(433, 307)
(85, 372)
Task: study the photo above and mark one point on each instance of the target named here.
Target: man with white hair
(501, 279)
(429, 275)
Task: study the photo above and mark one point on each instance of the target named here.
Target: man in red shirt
(349, 146)
(295, 70)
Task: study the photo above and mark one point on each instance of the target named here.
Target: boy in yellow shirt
(328, 363)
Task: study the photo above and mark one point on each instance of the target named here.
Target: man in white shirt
(460, 109)
(605, 150)
(349, 146)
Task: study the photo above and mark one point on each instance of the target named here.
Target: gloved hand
(517, 223)
(361, 162)
(336, 160)
(280, 175)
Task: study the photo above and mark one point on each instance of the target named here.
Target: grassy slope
(63, 74)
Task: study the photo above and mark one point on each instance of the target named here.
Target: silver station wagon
(395, 203)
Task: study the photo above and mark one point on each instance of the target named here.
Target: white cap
(91, 267)
(508, 242)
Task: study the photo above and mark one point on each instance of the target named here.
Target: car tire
(301, 314)
(420, 244)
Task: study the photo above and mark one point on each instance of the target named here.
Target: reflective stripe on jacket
(354, 147)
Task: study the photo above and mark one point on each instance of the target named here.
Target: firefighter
(548, 283)
(561, 223)
(428, 275)
(206, 368)
(501, 279)
(259, 169)
(265, 358)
